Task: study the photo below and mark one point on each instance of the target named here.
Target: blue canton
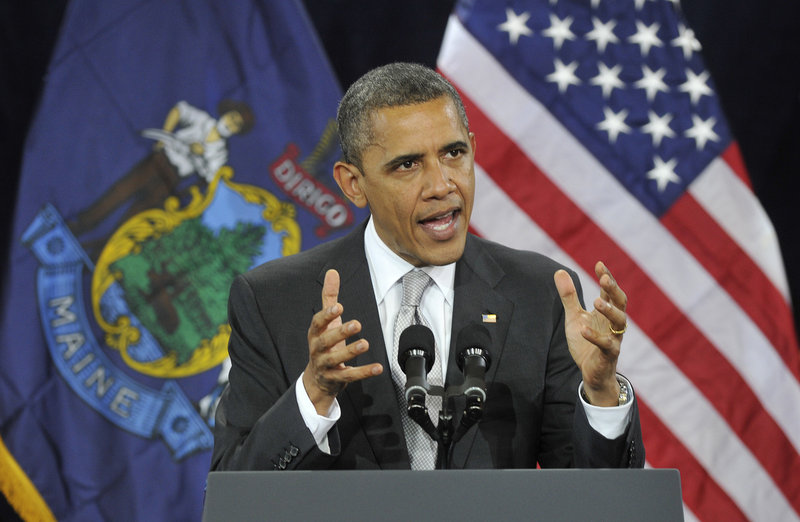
(631, 88)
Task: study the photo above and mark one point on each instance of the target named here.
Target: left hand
(593, 345)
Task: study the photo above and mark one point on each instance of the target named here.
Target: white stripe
(511, 226)
(633, 228)
(688, 516)
(734, 207)
(656, 380)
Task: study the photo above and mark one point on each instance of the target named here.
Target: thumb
(567, 292)
(330, 289)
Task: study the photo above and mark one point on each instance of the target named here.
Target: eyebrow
(399, 160)
(458, 144)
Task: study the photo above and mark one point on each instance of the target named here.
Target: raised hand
(594, 337)
(326, 373)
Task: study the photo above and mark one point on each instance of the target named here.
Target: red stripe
(667, 326)
(733, 157)
(736, 272)
(701, 494)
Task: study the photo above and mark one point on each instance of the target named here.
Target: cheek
(404, 212)
(395, 212)
(466, 183)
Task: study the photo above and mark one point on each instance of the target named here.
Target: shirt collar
(387, 267)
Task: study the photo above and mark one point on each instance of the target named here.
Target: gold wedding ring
(618, 332)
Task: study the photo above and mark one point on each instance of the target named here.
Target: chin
(439, 257)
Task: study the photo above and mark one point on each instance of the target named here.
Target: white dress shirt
(386, 271)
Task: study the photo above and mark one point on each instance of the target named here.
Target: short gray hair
(391, 85)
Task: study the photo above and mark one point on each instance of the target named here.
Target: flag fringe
(20, 492)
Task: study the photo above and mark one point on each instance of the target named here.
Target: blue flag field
(176, 145)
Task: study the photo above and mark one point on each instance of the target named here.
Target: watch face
(623, 393)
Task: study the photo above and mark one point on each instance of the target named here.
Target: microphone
(473, 360)
(416, 356)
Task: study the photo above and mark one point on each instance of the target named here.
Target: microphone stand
(444, 430)
(444, 433)
(473, 338)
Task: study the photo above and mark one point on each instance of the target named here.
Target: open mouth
(441, 225)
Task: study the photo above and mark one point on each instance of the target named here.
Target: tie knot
(414, 284)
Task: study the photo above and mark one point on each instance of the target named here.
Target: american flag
(600, 137)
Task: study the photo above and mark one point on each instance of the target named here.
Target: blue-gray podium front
(454, 495)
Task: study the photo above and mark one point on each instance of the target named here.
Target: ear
(348, 176)
(472, 142)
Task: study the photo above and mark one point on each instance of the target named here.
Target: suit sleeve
(592, 450)
(258, 425)
(567, 438)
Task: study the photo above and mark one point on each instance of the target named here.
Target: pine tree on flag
(176, 145)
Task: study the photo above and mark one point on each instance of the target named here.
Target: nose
(440, 182)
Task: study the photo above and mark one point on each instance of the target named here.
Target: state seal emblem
(130, 316)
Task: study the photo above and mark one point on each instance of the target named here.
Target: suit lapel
(373, 400)
(477, 276)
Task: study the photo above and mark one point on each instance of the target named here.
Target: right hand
(326, 373)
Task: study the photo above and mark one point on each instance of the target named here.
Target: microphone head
(416, 337)
(473, 339)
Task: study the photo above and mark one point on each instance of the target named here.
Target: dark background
(752, 50)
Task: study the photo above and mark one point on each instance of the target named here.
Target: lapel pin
(489, 318)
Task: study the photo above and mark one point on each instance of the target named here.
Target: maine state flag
(177, 144)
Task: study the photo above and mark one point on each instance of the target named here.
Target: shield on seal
(155, 310)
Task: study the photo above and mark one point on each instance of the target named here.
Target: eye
(454, 153)
(405, 165)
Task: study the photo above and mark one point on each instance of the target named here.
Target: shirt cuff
(610, 422)
(317, 424)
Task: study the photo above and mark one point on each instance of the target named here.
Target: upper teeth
(442, 226)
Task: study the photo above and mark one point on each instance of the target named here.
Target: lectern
(453, 495)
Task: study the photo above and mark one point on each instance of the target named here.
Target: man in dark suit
(319, 396)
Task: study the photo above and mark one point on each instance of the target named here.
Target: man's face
(419, 181)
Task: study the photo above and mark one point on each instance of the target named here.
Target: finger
(347, 374)
(330, 289)
(567, 292)
(617, 318)
(600, 269)
(606, 342)
(332, 337)
(336, 357)
(324, 318)
(609, 288)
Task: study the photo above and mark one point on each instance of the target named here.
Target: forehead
(429, 123)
